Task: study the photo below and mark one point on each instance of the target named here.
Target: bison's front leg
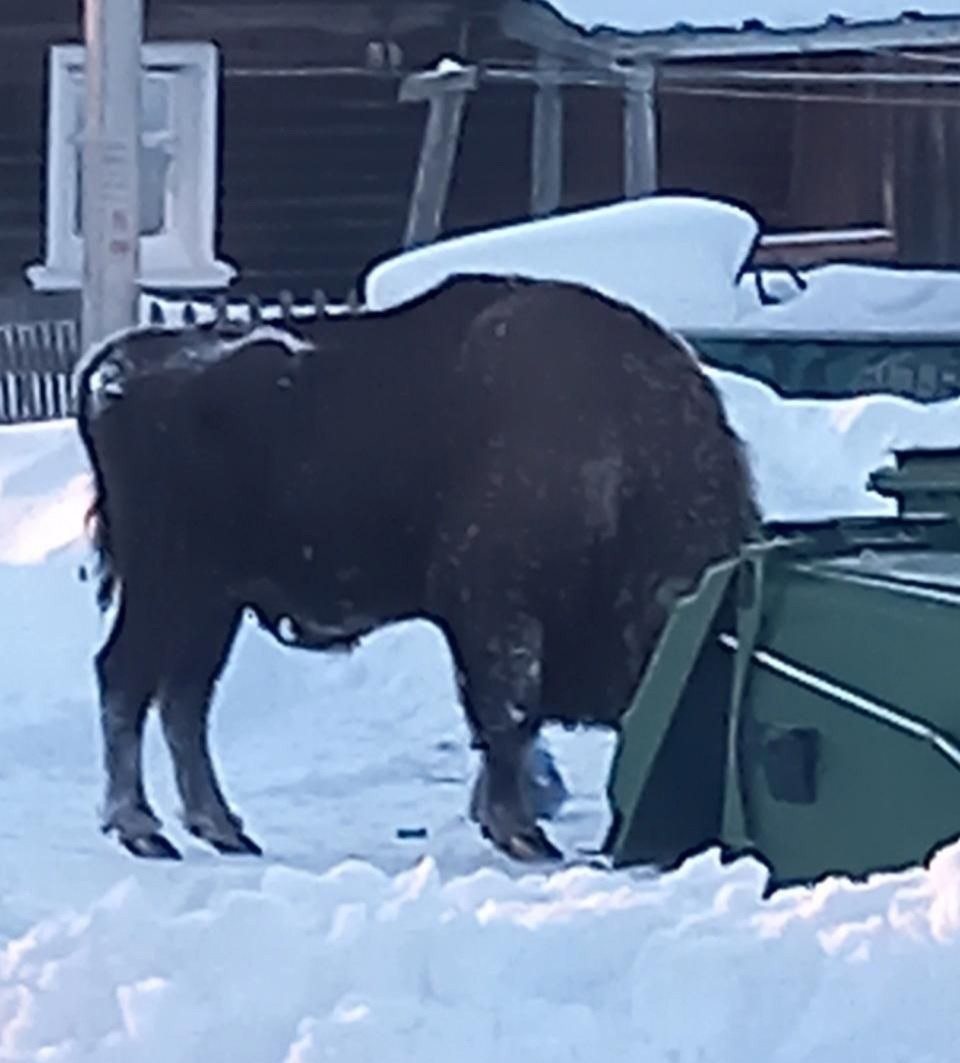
(195, 664)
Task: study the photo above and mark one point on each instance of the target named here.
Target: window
(178, 178)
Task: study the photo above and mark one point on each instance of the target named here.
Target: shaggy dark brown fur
(528, 464)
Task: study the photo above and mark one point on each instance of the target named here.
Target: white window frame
(182, 255)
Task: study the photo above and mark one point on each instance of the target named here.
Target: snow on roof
(659, 16)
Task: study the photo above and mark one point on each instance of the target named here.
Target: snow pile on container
(676, 257)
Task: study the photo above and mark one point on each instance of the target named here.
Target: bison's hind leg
(195, 661)
(544, 788)
(127, 669)
(497, 648)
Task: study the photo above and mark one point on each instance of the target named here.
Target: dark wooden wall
(592, 147)
(318, 156)
(318, 166)
(926, 184)
(315, 178)
(27, 28)
(877, 157)
(798, 165)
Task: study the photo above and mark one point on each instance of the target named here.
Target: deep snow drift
(350, 942)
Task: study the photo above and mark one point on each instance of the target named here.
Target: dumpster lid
(919, 470)
(926, 570)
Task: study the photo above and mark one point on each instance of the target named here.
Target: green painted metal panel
(924, 481)
(821, 365)
(869, 666)
(814, 713)
(655, 711)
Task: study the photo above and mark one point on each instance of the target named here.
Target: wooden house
(288, 143)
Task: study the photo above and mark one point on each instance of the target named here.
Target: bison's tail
(98, 531)
(87, 388)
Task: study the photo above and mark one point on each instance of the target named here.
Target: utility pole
(110, 166)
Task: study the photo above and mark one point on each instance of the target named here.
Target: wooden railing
(37, 358)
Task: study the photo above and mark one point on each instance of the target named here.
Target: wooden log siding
(22, 179)
(491, 178)
(927, 176)
(316, 178)
(593, 148)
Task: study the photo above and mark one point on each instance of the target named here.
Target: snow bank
(45, 490)
(870, 299)
(353, 965)
(676, 257)
(653, 15)
(811, 459)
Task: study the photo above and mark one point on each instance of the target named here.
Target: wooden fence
(37, 358)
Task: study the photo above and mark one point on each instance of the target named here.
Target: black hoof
(529, 846)
(240, 845)
(533, 845)
(151, 847)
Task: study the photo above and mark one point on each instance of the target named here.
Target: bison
(530, 465)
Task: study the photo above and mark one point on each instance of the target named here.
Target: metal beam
(446, 92)
(546, 162)
(110, 199)
(640, 164)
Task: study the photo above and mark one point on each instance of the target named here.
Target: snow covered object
(531, 465)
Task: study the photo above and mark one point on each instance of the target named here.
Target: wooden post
(446, 91)
(110, 204)
(546, 157)
(640, 132)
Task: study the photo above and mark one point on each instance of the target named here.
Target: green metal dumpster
(918, 366)
(803, 704)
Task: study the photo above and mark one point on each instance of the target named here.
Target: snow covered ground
(351, 940)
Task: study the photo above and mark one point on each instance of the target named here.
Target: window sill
(216, 274)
